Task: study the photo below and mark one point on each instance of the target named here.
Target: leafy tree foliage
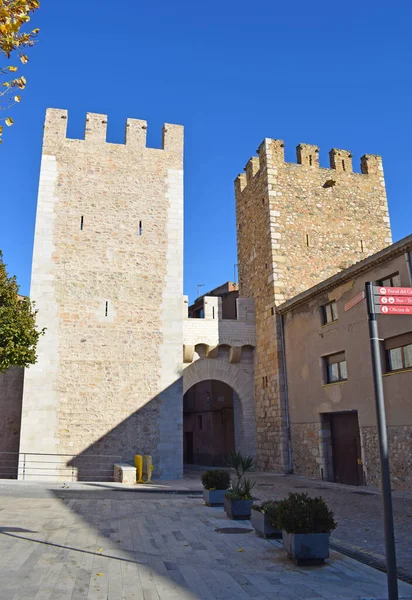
(18, 332)
(14, 14)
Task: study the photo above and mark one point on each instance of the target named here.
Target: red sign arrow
(392, 291)
(401, 300)
(355, 300)
(395, 310)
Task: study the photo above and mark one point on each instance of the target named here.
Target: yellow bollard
(147, 468)
(138, 463)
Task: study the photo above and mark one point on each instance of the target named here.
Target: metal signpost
(385, 301)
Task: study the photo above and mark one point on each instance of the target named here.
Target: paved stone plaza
(99, 542)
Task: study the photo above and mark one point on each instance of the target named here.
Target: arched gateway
(221, 350)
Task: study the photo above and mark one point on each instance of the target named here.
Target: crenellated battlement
(55, 130)
(271, 154)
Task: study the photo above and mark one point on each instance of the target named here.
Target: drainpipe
(285, 377)
(409, 265)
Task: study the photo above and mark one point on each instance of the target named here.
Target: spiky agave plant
(240, 464)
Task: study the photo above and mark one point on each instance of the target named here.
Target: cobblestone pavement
(98, 542)
(358, 511)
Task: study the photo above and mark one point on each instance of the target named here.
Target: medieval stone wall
(11, 391)
(217, 349)
(296, 225)
(108, 282)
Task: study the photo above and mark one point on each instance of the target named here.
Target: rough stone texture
(11, 390)
(124, 474)
(222, 350)
(108, 281)
(296, 225)
(306, 449)
(400, 456)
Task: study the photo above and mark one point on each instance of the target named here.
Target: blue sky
(328, 73)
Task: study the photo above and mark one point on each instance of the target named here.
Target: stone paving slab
(98, 545)
(358, 511)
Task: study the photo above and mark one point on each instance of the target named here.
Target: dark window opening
(361, 246)
(307, 240)
(213, 312)
(398, 352)
(106, 310)
(336, 368)
(266, 381)
(81, 223)
(310, 159)
(329, 312)
(272, 311)
(343, 165)
(140, 228)
(392, 280)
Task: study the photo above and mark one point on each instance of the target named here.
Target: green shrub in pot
(215, 484)
(306, 524)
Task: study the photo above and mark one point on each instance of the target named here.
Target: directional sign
(355, 300)
(392, 291)
(402, 300)
(395, 310)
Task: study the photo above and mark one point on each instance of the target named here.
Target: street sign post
(393, 299)
(390, 309)
(385, 301)
(355, 300)
(373, 306)
(381, 290)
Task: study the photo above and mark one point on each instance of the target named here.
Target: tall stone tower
(298, 224)
(107, 279)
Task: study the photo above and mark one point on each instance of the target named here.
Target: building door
(347, 463)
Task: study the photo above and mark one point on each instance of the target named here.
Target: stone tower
(107, 279)
(298, 224)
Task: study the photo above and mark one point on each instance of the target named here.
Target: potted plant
(306, 524)
(264, 519)
(215, 484)
(238, 499)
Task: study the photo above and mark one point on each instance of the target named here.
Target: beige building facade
(330, 381)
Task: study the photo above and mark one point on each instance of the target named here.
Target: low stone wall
(400, 456)
(306, 451)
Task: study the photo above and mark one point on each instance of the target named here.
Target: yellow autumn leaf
(24, 59)
(99, 549)
(240, 550)
(21, 83)
(9, 121)
(13, 69)
(17, 98)
(99, 574)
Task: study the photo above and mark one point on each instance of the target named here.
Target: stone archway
(240, 378)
